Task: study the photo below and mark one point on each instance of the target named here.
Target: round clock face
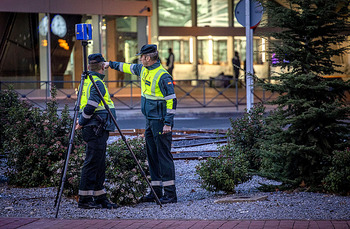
(43, 26)
(58, 26)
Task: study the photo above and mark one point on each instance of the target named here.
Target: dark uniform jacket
(88, 114)
(163, 108)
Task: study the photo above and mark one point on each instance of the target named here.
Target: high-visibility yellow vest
(149, 83)
(86, 94)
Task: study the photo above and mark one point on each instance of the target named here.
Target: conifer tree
(312, 117)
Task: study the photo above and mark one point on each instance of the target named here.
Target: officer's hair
(95, 67)
(153, 55)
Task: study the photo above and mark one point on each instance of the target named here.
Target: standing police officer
(158, 105)
(95, 123)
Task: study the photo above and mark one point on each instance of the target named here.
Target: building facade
(38, 38)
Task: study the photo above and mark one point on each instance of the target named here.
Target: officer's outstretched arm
(134, 69)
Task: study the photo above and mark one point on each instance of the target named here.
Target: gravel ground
(193, 203)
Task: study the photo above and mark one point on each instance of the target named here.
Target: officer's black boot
(87, 202)
(105, 202)
(169, 195)
(150, 197)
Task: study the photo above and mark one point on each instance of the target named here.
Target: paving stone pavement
(30, 223)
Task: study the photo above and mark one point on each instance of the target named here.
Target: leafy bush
(9, 102)
(125, 184)
(239, 156)
(34, 140)
(219, 174)
(338, 178)
(244, 136)
(75, 163)
(37, 141)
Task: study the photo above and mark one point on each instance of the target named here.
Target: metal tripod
(75, 117)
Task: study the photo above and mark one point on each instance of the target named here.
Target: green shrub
(75, 163)
(35, 140)
(240, 156)
(125, 184)
(221, 174)
(244, 136)
(10, 105)
(338, 178)
(217, 174)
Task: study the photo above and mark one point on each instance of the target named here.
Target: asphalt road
(182, 123)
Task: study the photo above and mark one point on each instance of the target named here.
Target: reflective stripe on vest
(127, 68)
(149, 83)
(86, 94)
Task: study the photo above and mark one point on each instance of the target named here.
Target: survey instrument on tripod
(84, 33)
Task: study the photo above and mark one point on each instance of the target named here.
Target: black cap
(96, 58)
(147, 49)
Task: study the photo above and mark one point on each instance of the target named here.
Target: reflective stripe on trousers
(94, 167)
(160, 160)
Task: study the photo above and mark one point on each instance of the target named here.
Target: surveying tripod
(72, 134)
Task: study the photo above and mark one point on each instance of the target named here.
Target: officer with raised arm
(158, 105)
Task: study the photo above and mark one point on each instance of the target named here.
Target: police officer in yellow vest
(158, 105)
(95, 122)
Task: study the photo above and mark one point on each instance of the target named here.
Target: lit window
(213, 13)
(174, 13)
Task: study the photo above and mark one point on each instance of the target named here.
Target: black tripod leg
(71, 140)
(59, 188)
(124, 139)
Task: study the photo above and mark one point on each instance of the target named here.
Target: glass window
(177, 50)
(258, 49)
(127, 39)
(163, 49)
(62, 43)
(212, 50)
(180, 47)
(127, 24)
(185, 57)
(204, 51)
(25, 46)
(121, 42)
(213, 13)
(19, 47)
(220, 52)
(174, 13)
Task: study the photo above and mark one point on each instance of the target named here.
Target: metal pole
(132, 101)
(49, 72)
(249, 56)
(236, 83)
(204, 94)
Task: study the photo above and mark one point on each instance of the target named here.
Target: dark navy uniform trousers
(94, 167)
(160, 160)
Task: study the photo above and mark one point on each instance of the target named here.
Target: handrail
(191, 93)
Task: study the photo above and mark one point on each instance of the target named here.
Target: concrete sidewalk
(168, 224)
